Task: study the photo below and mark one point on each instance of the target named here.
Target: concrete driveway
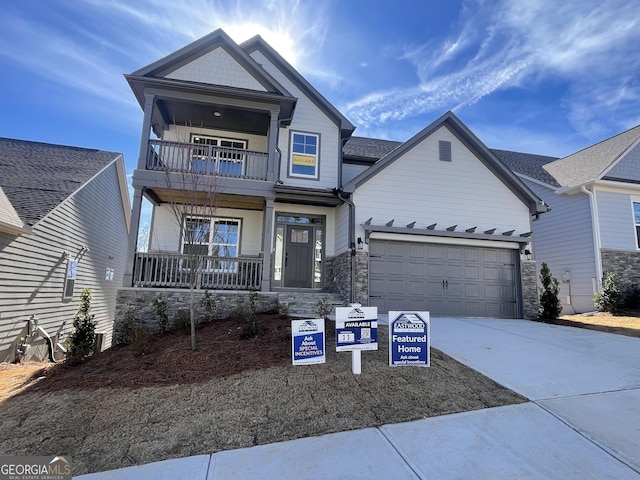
(583, 421)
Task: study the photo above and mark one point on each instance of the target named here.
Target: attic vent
(445, 151)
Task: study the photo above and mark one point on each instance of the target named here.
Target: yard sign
(356, 328)
(307, 341)
(409, 339)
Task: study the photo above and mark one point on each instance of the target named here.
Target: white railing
(206, 159)
(213, 273)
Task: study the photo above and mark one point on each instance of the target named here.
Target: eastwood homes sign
(356, 328)
(307, 341)
(35, 468)
(409, 339)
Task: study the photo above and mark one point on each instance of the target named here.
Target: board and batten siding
(308, 118)
(563, 238)
(33, 267)
(419, 187)
(615, 215)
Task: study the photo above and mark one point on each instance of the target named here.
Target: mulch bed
(168, 360)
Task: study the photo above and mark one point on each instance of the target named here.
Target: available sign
(356, 328)
(307, 341)
(409, 339)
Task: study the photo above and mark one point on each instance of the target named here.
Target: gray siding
(563, 238)
(33, 267)
(628, 167)
(350, 171)
(615, 214)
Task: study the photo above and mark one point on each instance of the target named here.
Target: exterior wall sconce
(360, 244)
(527, 253)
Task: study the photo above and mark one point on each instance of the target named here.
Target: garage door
(446, 280)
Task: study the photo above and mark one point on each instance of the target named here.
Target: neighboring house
(438, 223)
(64, 219)
(594, 227)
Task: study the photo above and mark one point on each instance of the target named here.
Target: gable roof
(367, 150)
(593, 162)
(258, 43)
(37, 177)
(528, 164)
(468, 138)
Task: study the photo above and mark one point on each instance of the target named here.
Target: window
(218, 155)
(304, 155)
(636, 220)
(217, 237)
(70, 278)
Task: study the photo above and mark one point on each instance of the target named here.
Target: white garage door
(446, 280)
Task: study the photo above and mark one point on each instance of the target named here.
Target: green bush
(82, 341)
(182, 322)
(323, 307)
(131, 332)
(160, 306)
(610, 298)
(210, 307)
(550, 306)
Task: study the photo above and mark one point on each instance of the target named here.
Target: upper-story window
(218, 155)
(304, 158)
(636, 219)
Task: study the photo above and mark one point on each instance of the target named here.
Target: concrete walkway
(583, 421)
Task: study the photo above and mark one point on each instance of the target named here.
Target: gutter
(597, 242)
(352, 243)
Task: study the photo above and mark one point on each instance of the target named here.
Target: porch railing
(206, 159)
(207, 272)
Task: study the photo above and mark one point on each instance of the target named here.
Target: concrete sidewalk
(583, 422)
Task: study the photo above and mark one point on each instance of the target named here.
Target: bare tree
(191, 173)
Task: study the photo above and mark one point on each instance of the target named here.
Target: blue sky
(538, 76)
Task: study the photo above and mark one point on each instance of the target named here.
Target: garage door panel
(443, 279)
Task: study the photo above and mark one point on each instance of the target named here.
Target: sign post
(307, 341)
(409, 339)
(356, 330)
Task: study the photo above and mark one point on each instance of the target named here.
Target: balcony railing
(206, 159)
(206, 272)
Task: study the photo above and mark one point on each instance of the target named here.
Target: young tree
(192, 180)
(83, 339)
(550, 306)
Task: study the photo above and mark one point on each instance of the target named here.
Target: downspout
(596, 234)
(352, 244)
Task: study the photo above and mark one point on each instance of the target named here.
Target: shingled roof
(36, 177)
(527, 164)
(369, 150)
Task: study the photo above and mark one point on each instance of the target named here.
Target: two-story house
(290, 215)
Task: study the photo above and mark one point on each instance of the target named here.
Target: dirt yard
(145, 403)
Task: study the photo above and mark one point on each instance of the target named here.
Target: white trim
(316, 175)
(635, 200)
(443, 240)
(595, 225)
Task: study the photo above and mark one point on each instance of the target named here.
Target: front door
(298, 257)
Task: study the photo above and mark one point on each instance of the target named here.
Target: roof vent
(445, 151)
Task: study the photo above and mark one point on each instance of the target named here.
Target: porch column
(272, 164)
(132, 242)
(145, 135)
(267, 234)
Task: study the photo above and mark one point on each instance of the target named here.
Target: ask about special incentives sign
(409, 339)
(307, 341)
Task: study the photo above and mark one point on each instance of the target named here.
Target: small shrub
(550, 306)
(83, 339)
(610, 298)
(323, 307)
(132, 332)
(210, 307)
(284, 310)
(182, 322)
(632, 297)
(251, 327)
(160, 306)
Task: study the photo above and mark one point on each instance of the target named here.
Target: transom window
(218, 155)
(304, 155)
(636, 219)
(215, 237)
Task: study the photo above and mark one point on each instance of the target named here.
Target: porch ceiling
(165, 195)
(204, 115)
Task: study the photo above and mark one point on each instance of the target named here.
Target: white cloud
(590, 45)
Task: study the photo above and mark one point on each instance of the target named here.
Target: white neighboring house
(295, 199)
(64, 221)
(594, 226)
